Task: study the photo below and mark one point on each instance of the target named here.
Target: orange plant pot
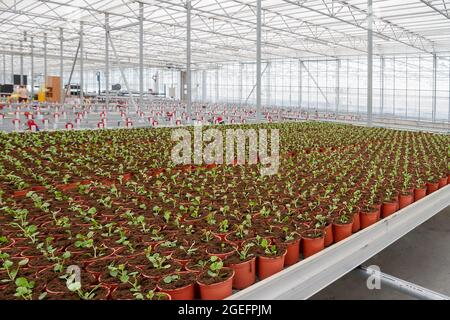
(432, 187)
(342, 231)
(244, 274)
(388, 209)
(405, 200)
(420, 193)
(311, 246)
(328, 235)
(356, 222)
(369, 218)
(293, 253)
(184, 293)
(268, 266)
(216, 291)
(442, 182)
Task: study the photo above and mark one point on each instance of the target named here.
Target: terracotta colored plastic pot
(293, 253)
(369, 218)
(342, 231)
(405, 200)
(184, 293)
(244, 274)
(378, 206)
(356, 226)
(442, 182)
(268, 266)
(216, 291)
(311, 246)
(420, 193)
(432, 187)
(388, 209)
(329, 240)
(21, 193)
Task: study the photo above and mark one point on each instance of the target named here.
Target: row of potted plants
(113, 204)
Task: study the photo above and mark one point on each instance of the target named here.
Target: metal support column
(4, 68)
(448, 117)
(326, 84)
(337, 101)
(300, 82)
(107, 59)
(434, 87)
(348, 85)
(204, 86)
(369, 62)
(113, 48)
(393, 85)
(32, 68)
(45, 62)
(406, 87)
(141, 54)
(217, 85)
(358, 88)
(61, 60)
(258, 60)
(241, 66)
(420, 83)
(82, 65)
(268, 80)
(21, 63)
(382, 65)
(12, 65)
(188, 61)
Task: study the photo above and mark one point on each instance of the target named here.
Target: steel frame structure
(204, 34)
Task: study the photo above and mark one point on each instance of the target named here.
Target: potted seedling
(153, 295)
(180, 286)
(291, 240)
(8, 267)
(270, 259)
(323, 223)
(406, 196)
(75, 286)
(369, 212)
(216, 283)
(390, 203)
(313, 241)
(342, 225)
(243, 262)
(184, 254)
(420, 189)
(24, 289)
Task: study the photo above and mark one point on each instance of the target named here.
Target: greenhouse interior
(224, 150)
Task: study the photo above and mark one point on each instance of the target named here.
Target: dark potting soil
(122, 294)
(224, 275)
(99, 265)
(235, 259)
(152, 272)
(106, 278)
(62, 296)
(57, 285)
(7, 292)
(100, 293)
(184, 280)
(216, 247)
(147, 284)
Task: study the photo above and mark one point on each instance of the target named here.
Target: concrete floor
(421, 257)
